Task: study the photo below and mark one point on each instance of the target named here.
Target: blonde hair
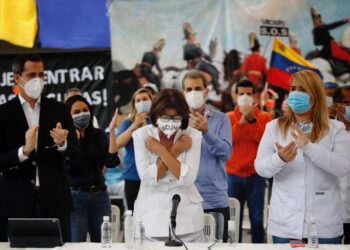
(133, 109)
(313, 86)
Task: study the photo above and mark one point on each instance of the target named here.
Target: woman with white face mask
(140, 106)
(305, 152)
(167, 154)
(90, 198)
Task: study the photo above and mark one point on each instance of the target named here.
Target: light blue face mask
(298, 102)
(347, 113)
(143, 107)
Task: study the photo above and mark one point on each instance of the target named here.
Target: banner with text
(89, 71)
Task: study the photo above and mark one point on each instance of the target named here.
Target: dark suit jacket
(17, 188)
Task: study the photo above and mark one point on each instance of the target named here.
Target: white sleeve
(335, 162)
(147, 172)
(190, 166)
(268, 163)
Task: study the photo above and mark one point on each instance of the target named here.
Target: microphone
(174, 243)
(175, 201)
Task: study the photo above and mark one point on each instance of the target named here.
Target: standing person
(141, 104)
(254, 65)
(305, 152)
(216, 147)
(36, 135)
(167, 156)
(247, 124)
(322, 37)
(90, 198)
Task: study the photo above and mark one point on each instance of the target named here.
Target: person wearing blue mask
(89, 192)
(141, 103)
(305, 152)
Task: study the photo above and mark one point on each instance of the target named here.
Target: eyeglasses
(175, 118)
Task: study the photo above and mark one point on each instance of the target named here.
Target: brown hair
(313, 86)
(170, 99)
(133, 109)
(195, 74)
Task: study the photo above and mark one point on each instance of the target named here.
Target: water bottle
(231, 232)
(106, 233)
(139, 236)
(313, 236)
(129, 230)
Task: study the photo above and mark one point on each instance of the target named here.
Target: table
(191, 246)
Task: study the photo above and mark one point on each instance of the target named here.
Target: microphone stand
(171, 242)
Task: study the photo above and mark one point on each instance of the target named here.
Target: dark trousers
(226, 213)
(252, 190)
(38, 212)
(131, 191)
(346, 233)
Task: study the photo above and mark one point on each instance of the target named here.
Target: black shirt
(94, 156)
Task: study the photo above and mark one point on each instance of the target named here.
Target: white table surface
(191, 246)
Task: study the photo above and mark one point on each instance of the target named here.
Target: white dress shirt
(32, 117)
(154, 201)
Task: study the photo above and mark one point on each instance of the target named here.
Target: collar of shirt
(25, 104)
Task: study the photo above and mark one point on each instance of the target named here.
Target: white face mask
(33, 87)
(244, 100)
(143, 107)
(195, 99)
(329, 101)
(169, 127)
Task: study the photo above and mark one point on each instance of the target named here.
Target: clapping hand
(113, 122)
(287, 153)
(30, 137)
(58, 134)
(199, 121)
(300, 137)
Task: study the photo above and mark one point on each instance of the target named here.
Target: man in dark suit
(36, 134)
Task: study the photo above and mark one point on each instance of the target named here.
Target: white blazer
(154, 201)
(345, 195)
(307, 186)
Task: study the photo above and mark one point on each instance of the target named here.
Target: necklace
(306, 127)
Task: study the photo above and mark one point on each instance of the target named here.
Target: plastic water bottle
(106, 233)
(129, 230)
(313, 235)
(139, 236)
(231, 232)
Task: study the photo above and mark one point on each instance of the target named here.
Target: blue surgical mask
(299, 102)
(347, 113)
(143, 107)
(81, 120)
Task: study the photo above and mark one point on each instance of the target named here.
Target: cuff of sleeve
(209, 137)
(309, 148)
(276, 161)
(21, 156)
(63, 147)
(183, 173)
(153, 172)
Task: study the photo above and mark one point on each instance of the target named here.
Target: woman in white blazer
(167, 159)
(305, 153)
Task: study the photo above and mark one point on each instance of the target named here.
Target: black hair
(78, 98)
(245, 83)
(20, 60)
(172, 99)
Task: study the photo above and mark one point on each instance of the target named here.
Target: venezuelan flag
(18, 22)
(284, 63)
